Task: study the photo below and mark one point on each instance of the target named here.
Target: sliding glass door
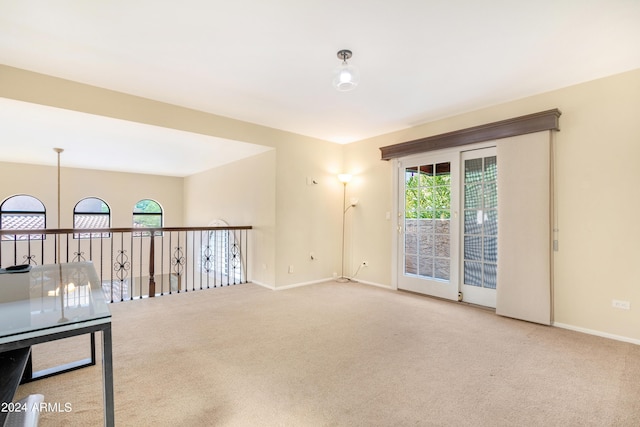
(428, 225)
(448, 225)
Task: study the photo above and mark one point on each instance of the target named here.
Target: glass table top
(50, 296)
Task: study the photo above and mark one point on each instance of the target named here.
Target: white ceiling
(270, 62)
(29, 132)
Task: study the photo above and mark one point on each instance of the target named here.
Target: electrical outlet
(365, 263)
(624, 305)
(291, 269)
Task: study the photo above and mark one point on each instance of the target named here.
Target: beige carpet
(342, 355)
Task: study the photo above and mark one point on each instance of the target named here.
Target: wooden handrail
(120, 230)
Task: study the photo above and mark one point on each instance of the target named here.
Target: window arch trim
(40, 224)
(96, 222)
(139, 214)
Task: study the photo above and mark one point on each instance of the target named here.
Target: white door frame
(447, 289)
(397, 164)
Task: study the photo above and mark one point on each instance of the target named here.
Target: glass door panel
(428, 238)
(480, 227)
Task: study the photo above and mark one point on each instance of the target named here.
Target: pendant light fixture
(345, 77)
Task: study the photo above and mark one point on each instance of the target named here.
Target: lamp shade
(344, 177)
(346, 77)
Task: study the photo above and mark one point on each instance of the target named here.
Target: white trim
(596, 333)
(396, 165)
(264, 285)
(297, 285)
(378, 285)
(315, 282)
(447, 289)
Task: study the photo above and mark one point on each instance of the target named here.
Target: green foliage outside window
(427, 196)
(148, 214)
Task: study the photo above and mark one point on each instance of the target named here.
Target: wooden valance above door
(544, 120)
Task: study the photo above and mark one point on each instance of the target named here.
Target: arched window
(22, 212)
(147, 213)
(91, 213)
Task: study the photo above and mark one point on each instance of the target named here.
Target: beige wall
(239, 193)
(308, 215)
(120, 190)
(597, 149)
(371, 222)
(292, 217)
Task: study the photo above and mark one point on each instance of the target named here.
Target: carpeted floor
(341, 355)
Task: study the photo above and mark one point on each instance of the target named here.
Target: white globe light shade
(346, 77)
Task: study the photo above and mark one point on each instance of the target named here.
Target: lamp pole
(61, 286)
(58, 150)
(344, 214)
(344, 178)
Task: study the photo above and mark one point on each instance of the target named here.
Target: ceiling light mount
(344, 54)
(345, 77)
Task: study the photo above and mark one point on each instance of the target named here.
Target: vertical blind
(524, 227)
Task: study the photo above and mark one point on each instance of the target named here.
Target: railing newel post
(152, 252)
(162, 265)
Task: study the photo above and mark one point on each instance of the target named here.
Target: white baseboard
(597, 333)
(297, 285)
(313, 282)
(378, 285)
(264, 285)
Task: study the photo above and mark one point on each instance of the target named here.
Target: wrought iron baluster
(121, 268)
(178, 262)
(29, 259)
(207, 257)
(78, 257)
(217, 265)
(170, 286)
(218, 252)
(193, 258)
(235, 259)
